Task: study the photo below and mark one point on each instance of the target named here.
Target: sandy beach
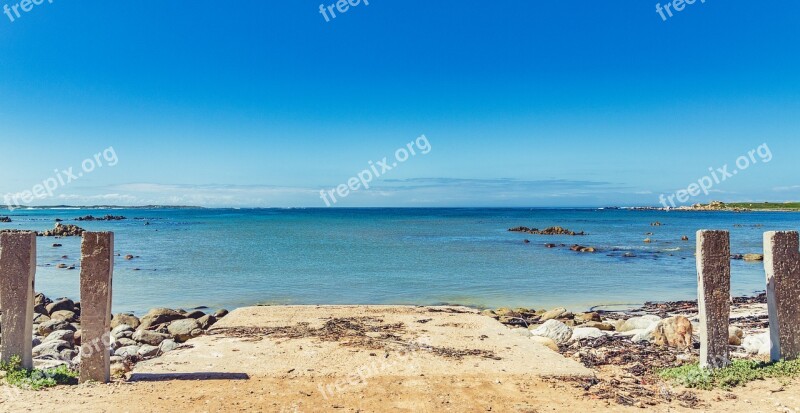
(376, 359)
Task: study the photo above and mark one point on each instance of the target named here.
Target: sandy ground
(363, 359)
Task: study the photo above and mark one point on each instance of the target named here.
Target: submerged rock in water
(547, 231)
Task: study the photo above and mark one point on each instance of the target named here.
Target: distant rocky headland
(731, 207)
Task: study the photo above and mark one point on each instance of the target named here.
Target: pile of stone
(5, 219)
(105, 218)
(63, 231)
(546, 231)
(560, 329)
(57, 333)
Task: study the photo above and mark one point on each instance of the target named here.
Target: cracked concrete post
(782, 265)
(713, 296)
(17, 271)
(97, 267)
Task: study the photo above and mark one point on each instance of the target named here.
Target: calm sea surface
(230, 258)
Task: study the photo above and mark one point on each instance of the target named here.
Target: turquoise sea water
(230, 258)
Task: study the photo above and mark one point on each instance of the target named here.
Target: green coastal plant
(739, 373)
(36, 379)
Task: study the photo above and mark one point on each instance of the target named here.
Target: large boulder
(147, 350)
(149, 337)
(59, 305)
(49, 326)
(122, 330)
(545, 341)
(167, 345)
(581, 333)
(554, 330)
(66, 315)
(182, 330)
(158, 316)
(127, 351)
(637, 323)
(128, 319)
(51, 348)
(61, 335)
(673, 332)
(207, 321)
(553, 314)
(757, 344)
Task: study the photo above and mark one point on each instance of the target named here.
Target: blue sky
(256, 103)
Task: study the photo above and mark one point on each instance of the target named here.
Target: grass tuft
(739, 373)
(36, 379)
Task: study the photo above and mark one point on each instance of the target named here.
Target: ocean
(227, 258)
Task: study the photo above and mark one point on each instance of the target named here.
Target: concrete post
(97, 267)
(782, 265)
(713, 296)
(17, 270)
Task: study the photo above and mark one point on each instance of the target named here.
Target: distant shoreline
(732, 207)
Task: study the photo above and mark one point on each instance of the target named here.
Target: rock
(757, 344)
(581, 248)
(181, 330)
(637, 323)
(77, 337)
(129, 257)
(68, 355)
(167, 345)
(64, 231)
(123, 342)
(735, 335)
(684, 238)
(581, 333)
(600, 326)
(196, 314)
(121, 330)
(52, 348)
(673, 332)
(36, 341)
(221, 313)
(62, 335)
(64, 315)
(207, 321)
(39, 318)
(553, 314)
(158, 316)
(60, 304)
(545, 341)
(546, 231)
(555, 330)
(647, 240)
(127, 351)
(147, 350)
(524, 332)
(753, 257)
(124, 318)
(586, 317)
(49, 326)
(149, 337)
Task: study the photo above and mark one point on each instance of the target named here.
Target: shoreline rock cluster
(60, 230)
(57, 333)
(5, 219)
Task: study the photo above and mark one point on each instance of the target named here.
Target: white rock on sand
(757, 344)
(637, 323)
(581, 333)
(554, 330)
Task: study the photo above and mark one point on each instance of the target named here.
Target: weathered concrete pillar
(782, 265)
(97, 267)
(17, 270)
(713, 296)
